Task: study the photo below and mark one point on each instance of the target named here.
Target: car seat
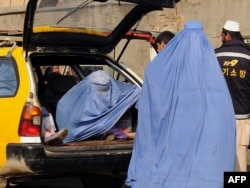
(55, 88)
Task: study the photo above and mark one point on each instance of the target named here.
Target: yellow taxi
(78, 36)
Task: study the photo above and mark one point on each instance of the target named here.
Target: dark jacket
(234, 59)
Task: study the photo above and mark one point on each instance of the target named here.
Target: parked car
(78, 36)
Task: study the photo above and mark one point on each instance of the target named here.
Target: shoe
(110, 137)
(57, 138)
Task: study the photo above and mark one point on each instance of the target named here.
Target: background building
(212, 14)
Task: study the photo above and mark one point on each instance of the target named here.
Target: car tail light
(30, 121)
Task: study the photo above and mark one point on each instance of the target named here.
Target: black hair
(165, 37)
(48, 71)
(233, 34)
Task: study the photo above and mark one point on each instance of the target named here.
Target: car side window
(8, 77)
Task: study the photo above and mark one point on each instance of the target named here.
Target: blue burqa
(94, 105)
(186, 126)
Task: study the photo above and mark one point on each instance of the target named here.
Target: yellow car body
(63, 33)
(11, 107)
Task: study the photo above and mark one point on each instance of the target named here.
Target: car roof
(86, 26)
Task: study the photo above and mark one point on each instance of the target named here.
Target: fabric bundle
(94, 106)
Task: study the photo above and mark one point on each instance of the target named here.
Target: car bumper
(36, 159)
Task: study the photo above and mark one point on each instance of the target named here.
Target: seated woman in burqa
(93, 107)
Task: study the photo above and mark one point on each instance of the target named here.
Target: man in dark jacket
(234, 59)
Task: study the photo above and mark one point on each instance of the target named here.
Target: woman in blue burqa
(186, 126)
(93, 107)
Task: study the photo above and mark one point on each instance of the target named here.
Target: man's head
(56, 69)
(162, 39)
(230, 30)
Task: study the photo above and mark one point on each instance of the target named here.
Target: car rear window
(8, 77)
(98, 18)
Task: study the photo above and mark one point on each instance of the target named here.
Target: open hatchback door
(93, 27)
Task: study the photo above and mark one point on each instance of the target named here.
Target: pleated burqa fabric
(186, 125)
(94, 105)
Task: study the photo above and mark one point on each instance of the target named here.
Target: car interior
(73, 68)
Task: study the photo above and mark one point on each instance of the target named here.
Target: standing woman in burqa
(186, 128)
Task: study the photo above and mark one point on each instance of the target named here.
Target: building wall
(12, 3)
(212, 13)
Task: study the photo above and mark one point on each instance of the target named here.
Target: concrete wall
(12, 14)
(12, 3)
(212, 13)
